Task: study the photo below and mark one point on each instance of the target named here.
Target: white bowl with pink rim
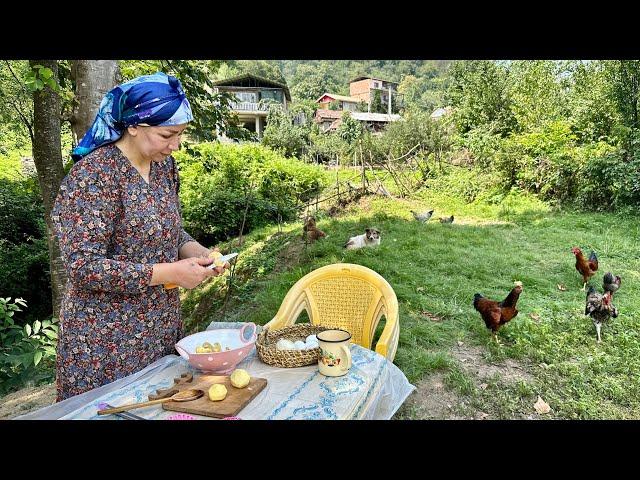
(236, 344)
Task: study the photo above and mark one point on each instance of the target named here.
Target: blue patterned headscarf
(156, 100)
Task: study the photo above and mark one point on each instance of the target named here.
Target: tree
(92, 79)
(376, 103)
(311, 81)
(624, 80)
(362, 106)
(478, 92)
(535, 93)
(424, 91)
(282, 135)
(350, 129)
(594, 112)
(261, 68)
(16, 107)
(47, 156)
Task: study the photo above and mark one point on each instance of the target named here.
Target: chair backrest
(342, 295)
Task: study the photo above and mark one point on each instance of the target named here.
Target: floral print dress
(112, 226)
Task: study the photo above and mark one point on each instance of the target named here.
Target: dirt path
(434, 401)
(27, 400)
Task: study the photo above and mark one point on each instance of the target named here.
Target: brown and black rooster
(495, 314)
(600, 308)
(611, 282)
(586, 268)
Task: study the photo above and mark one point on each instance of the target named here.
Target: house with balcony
(365, 89)
(254, 95)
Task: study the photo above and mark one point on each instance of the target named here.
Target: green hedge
(24, 255)
(219, 180)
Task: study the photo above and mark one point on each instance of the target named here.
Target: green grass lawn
(435, 270)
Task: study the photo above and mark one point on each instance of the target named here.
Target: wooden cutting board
(234, 402)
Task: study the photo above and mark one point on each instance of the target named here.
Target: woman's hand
(220, 269)
(191, 272)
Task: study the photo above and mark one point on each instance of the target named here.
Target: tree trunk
(47, 156)
(93, 79)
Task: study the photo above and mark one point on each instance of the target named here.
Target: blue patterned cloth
(373, 389)
(156, 100)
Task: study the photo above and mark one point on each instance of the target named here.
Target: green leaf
(37, 357)
(52, 335)
(36, 326)
(39, 84)
(27, 328)
(45, 73)
(26, 359)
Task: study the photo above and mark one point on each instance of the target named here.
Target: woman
(117, 219)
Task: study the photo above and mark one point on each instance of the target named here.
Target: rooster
(586, 268)
(495, 314)
(611, 283)
(600, 308)
(422, 217)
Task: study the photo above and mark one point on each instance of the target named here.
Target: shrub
(26, 352)
(24, 254)
(609, 182)
(219, 180)
(325, 148)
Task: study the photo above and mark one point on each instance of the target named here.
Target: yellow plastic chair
(346, 296)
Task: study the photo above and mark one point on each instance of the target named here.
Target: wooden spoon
(183, 396)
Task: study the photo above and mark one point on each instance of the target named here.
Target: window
(247, 96)
(275, 95)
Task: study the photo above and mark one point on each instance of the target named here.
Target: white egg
(311, 345)
(313, 338)
(300, 345)
(284, 344)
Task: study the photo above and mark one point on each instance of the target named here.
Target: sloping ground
(548, 351)
(27, 400)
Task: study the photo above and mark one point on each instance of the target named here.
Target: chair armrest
(388, 342)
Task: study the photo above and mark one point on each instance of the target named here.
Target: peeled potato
(240, 378)
(216, 256)
(217, 392)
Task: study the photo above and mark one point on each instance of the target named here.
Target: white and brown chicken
(422, 216)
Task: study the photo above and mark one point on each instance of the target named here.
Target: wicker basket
(266, 346)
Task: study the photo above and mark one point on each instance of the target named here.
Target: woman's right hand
(191, 272)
